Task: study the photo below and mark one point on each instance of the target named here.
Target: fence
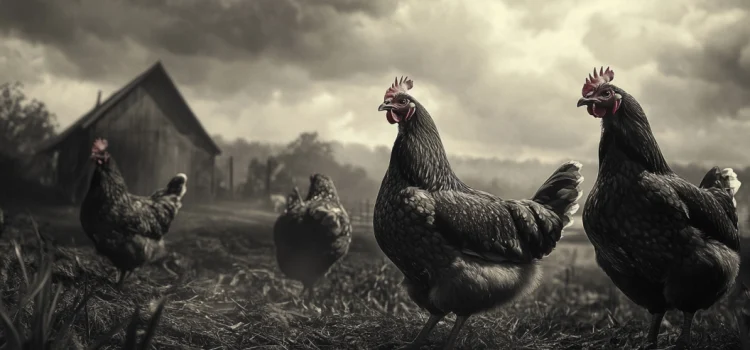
(360, 214)
(361, 211)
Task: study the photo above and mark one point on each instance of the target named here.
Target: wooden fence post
(368, 211)
(231, 177)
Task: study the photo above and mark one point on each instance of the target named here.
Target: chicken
(461, 250)
(312, 234)
(125, 228)
(664, 242)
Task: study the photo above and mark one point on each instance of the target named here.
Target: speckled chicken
(461, 250)
(312, 234)
(664, 242)
(125, 228)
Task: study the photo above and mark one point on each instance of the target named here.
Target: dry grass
(231, 296)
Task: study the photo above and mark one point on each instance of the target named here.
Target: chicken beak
(384, 107)
(585, 102)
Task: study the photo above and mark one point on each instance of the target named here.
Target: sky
(500, 78)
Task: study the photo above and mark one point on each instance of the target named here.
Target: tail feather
(178, 185)
(294, 198)
(725, 179)
(561, 192)
(730, 180)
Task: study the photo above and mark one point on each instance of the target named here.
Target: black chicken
(312, 234)
(461, 250)
(664, 242)
(126, 228)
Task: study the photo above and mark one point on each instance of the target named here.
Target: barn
(152, 133)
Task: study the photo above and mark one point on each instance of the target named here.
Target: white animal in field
(279, 202)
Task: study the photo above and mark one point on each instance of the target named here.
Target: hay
(231, 296)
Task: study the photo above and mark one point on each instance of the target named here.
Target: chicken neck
(628, 134)
(107, 182)
(418, 156)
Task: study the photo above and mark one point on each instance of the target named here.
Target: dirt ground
(230, 295)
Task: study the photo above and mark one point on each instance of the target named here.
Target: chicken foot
(424, 333)
(685, 339)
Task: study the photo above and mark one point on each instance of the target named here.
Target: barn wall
(194, 159)
(151, 138)
(126, 128)
(73, 165)
(147, 147)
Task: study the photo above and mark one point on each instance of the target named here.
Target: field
(228, 294)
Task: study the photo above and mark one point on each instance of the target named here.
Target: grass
(37, 316)
(230, 295)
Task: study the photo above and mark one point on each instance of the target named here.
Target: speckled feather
(312, 234)
(665, 242)
(126, 228)
(462, 250)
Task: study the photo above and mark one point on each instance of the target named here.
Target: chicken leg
(424, 333)
(684, 340)
(307, 294)
(121, 279)
(460, 321)
(652, 339)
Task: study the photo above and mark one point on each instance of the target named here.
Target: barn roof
(96, 113)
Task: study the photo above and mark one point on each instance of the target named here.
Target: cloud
(500, 78)
(698, 80)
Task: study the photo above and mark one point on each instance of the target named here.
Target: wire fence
(360, 214)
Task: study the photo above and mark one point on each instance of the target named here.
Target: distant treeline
(358, 169)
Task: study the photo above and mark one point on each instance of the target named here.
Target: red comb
(100, 145)
(398, 86)
(592, 82)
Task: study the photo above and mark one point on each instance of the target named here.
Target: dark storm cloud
(500, 79)
(94, 34)
(702, 74)
(699, 81)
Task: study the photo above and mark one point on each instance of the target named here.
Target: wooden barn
(152, 135)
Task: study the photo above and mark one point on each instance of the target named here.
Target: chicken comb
(398, 86)
(602, 77)
(100, 145)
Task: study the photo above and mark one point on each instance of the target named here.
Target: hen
(312, 234)
(125, 228)
(461, 250)
(664, 242)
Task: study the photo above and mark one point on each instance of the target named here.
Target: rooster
(125, 228)
(312, 234)
(664, 242)
(461, 250)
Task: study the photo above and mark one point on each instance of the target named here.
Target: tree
(307, 154)
(254, 181)
(24, 123)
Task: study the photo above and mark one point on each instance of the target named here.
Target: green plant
(45, 296)
(42, 335)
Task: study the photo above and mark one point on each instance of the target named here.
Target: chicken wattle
(126, 228)
(665, 243)
(461, 250)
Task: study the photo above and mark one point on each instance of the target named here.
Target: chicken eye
(402, 101)
(606, 93)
